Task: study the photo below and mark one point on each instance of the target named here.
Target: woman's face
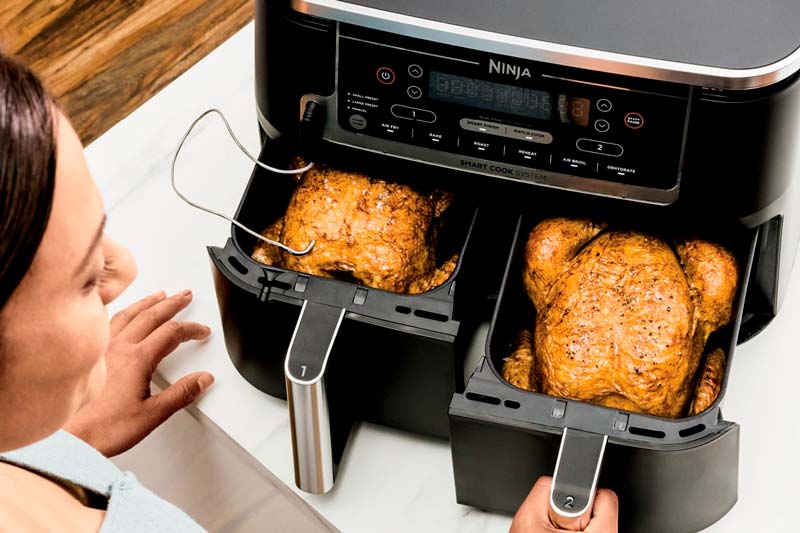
(54, 327)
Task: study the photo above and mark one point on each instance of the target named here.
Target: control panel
(491, 109)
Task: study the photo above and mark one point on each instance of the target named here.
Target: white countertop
(389, 481)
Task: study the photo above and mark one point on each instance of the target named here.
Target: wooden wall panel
(103, 58)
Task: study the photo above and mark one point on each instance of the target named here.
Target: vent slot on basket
(491, 400)
(431, 315)
(235, 263)
(403, 309)
(511, 404)
(644, 432)
(694, 430)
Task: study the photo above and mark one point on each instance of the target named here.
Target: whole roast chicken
(622, 318)
(375, 232)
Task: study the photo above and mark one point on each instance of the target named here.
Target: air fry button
(634, 121)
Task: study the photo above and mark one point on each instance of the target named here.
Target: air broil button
(574, 164)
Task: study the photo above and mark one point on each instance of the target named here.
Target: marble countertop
(390, 481)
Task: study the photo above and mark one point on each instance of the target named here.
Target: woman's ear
(119, 271)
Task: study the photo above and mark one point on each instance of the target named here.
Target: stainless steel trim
(572, 56)
(311, 436)
(310, 421)
(410, 50)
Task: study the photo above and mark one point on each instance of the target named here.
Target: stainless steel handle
(306, 360)
(577, 470)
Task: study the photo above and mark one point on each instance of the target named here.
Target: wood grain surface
(101, 59)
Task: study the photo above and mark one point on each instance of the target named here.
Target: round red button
(385, 75)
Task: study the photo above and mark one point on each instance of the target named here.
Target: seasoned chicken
(622, 318)
(374, 232)
(709, 383)
(518, 367)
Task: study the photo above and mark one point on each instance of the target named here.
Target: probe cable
(255, 160)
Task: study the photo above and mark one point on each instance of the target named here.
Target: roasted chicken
(622, 318)
(377, 233)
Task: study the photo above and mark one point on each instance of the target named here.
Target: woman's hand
(536, 516)
(124, 412)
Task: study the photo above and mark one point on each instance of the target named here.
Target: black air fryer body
(536, 109)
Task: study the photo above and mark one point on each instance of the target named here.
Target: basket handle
(577, 470)
(306, 360)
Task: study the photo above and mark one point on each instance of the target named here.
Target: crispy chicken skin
(380, 234)
(622, 319)
(518, 367)
(709, 383)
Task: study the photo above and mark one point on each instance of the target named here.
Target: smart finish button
(385, 75)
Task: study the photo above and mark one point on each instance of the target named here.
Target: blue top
(131, 507)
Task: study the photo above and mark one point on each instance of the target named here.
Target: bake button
(385, 75)
(604, 105)
(434, 139)
(414, 92)
(358, 122)
(415, 71)
(571, 164)
(602, 125)
(634, 120)
(599, 147)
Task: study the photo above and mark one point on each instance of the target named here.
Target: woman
(62, 363)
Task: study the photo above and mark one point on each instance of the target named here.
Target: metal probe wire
(255, 160)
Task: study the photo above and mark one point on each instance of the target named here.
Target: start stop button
(634, 120)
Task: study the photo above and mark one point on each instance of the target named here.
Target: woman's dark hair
(27, 170)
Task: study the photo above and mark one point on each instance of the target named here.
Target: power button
(385, 75)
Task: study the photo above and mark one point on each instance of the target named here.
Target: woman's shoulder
(31, 502)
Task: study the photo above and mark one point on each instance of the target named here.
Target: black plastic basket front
(397, 358)
(671, 476)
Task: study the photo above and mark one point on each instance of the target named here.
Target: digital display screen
(574, 110)
(491, 96)
(510, 99)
